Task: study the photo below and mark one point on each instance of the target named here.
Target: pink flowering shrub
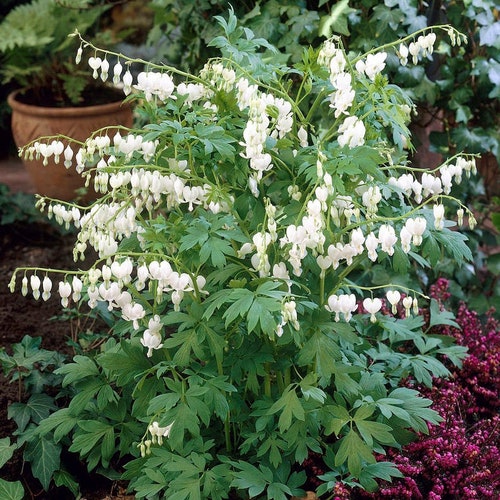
(460, 457)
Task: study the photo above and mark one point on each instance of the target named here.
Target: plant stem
(267, 380)
(227, 434)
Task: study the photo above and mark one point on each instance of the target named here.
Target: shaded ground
(36, 245)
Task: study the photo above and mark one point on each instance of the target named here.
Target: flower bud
(47, 287)
(24, 286)
(35, 286)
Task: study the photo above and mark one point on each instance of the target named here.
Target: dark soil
(43, 246)
(92, 95)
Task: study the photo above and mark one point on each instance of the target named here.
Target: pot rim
(68, 111)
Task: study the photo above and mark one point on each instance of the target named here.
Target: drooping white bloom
(47, 287)
(78, 56)
(154, 83)
(337, 63)
(280, 271)
(127, 82)
(302, 135)
(64, 292)
(374, 64)
(416, 227)
(351, 132)
(77, 287)
(117, 72)
(431, 185)
(403, 54)
(158, 433)
(35, 285)
(133, 312)
(446, 172)
(393, 296)
(95, 64)
(324, 262)
(405, 237)
(438, 210)
(151, 338)
(372, 306)
(24, 286)
(357, 240)
(371, 244)
(343, 95)
(387, 237)
(371, 198)
(407, 304)
(345, 304)
(104, 69)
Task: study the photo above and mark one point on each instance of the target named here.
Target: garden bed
(37, 244)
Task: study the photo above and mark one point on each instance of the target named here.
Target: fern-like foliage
(35, 49)
(29, 25)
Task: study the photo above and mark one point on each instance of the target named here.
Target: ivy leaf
(44, 456)
(6, 450)
(336, 21)
(37, 408)
(64, 478)
(11, 490)
(489, 35)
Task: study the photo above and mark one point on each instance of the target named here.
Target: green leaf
(63, 421)
(11, 490)
(37, 408)
(94, 435)
(335, 419)
(391, 406)
(323, 351)
(336, 21)
(440, 316)
(354, 451)
(370, 430)
(240, 307)
(44, 456)
(6, 450)
(126, 360)
(188, 341)
(248, 477)
(163, 402)
(64, 478)
(290, 407)
(82, 367)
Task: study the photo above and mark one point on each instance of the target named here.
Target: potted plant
(55, 95)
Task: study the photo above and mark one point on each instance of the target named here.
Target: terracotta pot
(30, 122)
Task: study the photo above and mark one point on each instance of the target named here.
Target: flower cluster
(256, 208)
(106, 223)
